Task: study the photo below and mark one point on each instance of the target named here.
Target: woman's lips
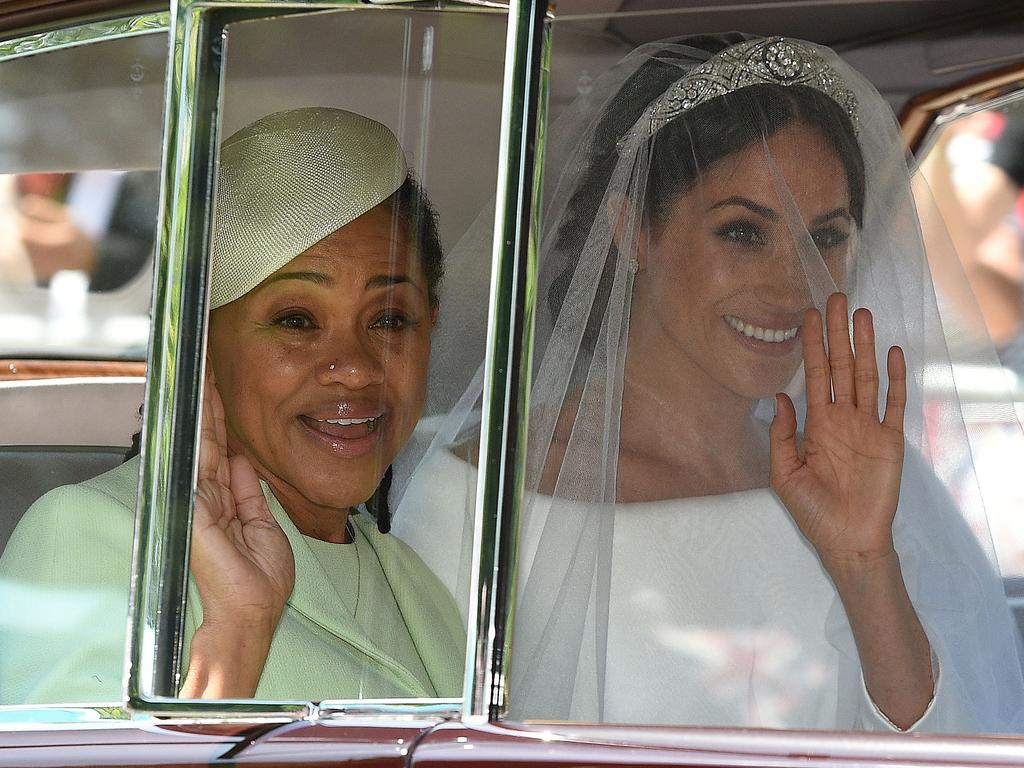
(345, 437)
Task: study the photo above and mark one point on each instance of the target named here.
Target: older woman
(324, 283)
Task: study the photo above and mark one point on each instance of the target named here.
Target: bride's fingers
(784, 457)
(865, 367)
(816, 369)
(840, 354)
(896, 399)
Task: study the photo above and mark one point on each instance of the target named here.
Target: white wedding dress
(719, 612)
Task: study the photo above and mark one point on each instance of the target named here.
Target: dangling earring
(377, 505)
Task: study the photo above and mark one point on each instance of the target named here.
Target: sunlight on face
(323, 366)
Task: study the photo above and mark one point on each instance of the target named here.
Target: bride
(728, 522)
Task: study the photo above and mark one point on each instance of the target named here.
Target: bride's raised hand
(242, 563)
(842, 486)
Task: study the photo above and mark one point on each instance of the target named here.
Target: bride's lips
(771, 337)
(346, 436)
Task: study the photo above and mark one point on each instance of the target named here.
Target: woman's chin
(765, 383)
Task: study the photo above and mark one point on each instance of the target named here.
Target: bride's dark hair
(688, 146)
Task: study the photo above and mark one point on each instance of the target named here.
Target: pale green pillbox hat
(287, 181)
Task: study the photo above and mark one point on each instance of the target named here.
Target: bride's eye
(742, 232)
(829, 237)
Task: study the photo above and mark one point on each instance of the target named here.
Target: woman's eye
(743, 233)
(296, 321)
(830, 237)
(392, 321)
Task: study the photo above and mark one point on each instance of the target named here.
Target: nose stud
(331, 367)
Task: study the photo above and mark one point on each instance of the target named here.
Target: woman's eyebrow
(380, 281)
(838, 213)
(313, 277)
(746, 202)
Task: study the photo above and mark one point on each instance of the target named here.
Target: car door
(436, 78)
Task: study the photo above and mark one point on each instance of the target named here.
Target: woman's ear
(628, 231)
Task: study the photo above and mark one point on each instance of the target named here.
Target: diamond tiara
(774, 60)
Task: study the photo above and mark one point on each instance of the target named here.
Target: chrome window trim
(170, 427)
(963, 109)
(83, 34)
(507, 359)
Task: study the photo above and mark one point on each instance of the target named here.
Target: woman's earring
(377, 505)
(633, 265)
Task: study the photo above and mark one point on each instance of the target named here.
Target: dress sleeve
(64, 584)
(943, 713)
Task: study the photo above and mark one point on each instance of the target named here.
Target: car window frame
(16, 47)
(177, 353)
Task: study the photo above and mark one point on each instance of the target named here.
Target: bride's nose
(787, 279)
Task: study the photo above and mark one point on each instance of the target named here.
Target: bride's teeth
(773, 335)
(347, 422)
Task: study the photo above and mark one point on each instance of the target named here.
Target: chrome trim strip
(170, 425)
(507, 361)
(70, 37)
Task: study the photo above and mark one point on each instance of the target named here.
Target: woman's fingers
(250, 503)
(896, 399)
(865, 367)
(816, 368)
(209, 451)
(785, 459)
(840, 353)
(214, 429)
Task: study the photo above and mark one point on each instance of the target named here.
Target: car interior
(97, 108)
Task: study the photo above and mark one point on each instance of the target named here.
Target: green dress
(365, 620)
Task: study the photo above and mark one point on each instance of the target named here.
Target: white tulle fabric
(708, 606)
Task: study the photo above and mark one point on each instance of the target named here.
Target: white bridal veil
(687, 225)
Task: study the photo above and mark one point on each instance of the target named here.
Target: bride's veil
(618, 159)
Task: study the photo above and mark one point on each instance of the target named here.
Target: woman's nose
(351, 362)
(797, 276)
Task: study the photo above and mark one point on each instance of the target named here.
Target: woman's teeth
(372, 422)
(774, 335)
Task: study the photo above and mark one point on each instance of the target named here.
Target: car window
(970, 165)
(78, 159)
(346, 181)
(666, 573)
(79, 150)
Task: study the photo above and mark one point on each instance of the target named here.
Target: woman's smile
(345, 438)
(762, 333)
(768, 337)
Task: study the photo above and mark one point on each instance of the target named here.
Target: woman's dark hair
(414, 211)
(688, 146)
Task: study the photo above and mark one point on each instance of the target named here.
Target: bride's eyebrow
(838, 213)
(745, 202)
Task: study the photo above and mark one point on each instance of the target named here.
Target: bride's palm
(843, 487)
(240, 557)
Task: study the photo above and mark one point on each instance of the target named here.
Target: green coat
(64, 581)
